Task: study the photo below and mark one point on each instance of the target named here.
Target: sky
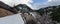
(37, 4)
(39, 1)
(33, 4)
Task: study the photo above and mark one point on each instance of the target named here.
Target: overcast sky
(34, 4)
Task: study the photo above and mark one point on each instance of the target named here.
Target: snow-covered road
(13, 19)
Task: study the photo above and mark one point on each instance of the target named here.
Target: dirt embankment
(4, 12)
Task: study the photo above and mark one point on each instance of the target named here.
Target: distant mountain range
(47, 9)
(52, 11)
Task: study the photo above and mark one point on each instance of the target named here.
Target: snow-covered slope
(13, 19)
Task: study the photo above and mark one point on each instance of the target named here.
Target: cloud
(49, 0)
(53, 2)
(16, 2)
(48, 3)
(8, 2)
(28, 2)
(36, 6)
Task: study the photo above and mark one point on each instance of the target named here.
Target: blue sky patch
(39, 1)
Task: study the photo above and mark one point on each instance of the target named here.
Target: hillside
(52, 11)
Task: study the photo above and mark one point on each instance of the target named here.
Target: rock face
(28, 18)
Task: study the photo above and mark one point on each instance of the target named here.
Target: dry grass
(4, 12)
